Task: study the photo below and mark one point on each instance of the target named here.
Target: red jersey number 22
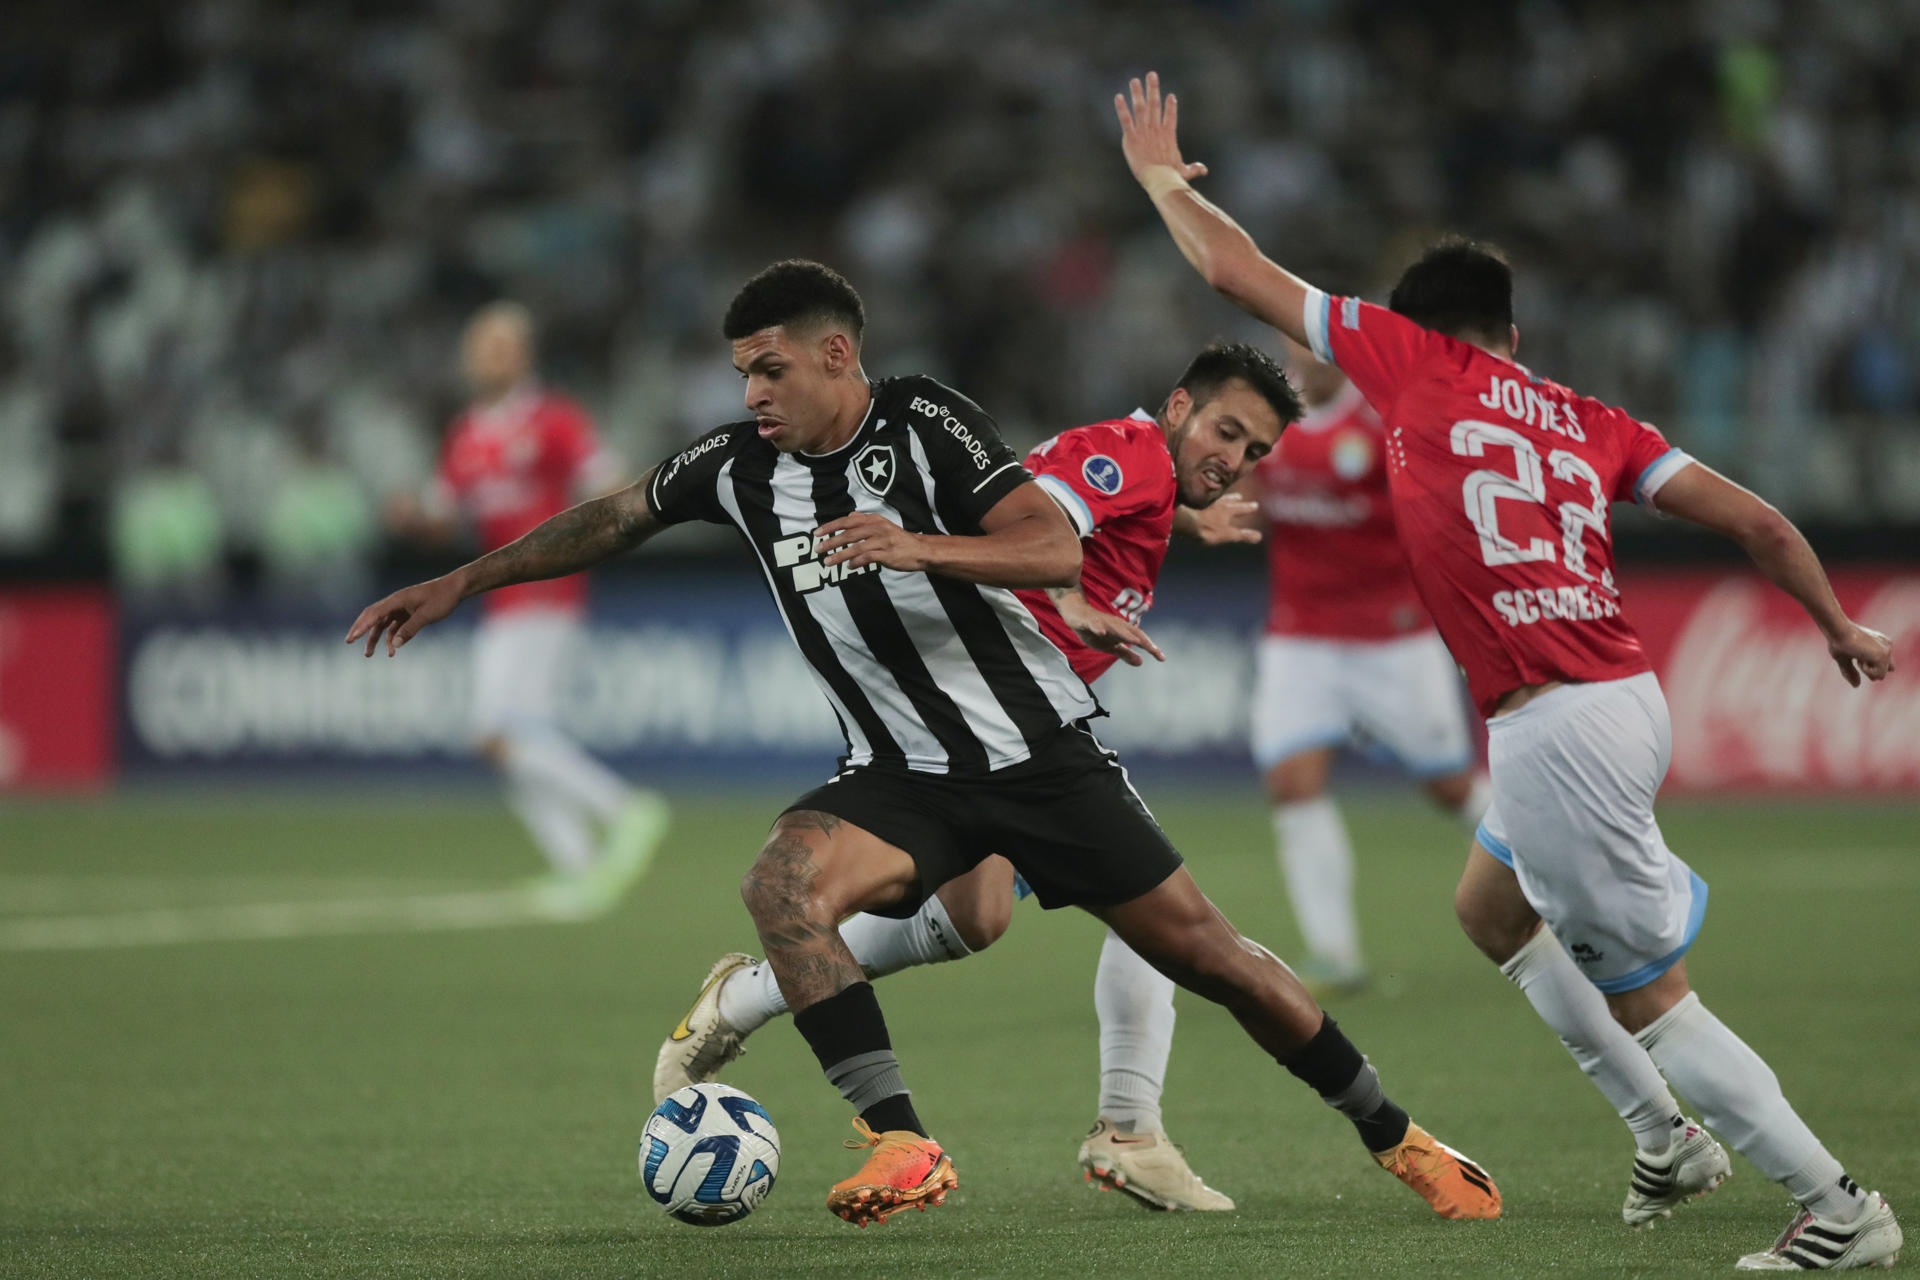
(1483, 490)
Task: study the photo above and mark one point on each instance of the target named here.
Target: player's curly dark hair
(1459, 287)
(1223, 362)
(795, 291)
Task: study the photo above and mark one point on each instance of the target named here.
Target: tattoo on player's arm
(578, 537)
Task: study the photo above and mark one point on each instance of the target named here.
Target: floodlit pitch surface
(345, 1078)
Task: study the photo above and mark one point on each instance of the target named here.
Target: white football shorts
(518, 657)
(1574, 776)
(1400, 698)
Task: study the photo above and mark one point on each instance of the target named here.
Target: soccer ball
(709, 1154)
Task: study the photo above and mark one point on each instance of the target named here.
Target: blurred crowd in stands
(238, 239)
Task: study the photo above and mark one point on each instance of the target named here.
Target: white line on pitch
(481, 909)
(53, 894)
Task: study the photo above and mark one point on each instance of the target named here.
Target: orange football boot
(904, 1171)
(1455, 1186)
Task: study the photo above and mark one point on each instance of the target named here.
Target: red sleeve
(446, 475)
(1371, 345)
(1647, 461)
(570, 440)
(1098, 473)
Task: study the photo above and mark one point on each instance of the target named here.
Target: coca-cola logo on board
(1757, 700)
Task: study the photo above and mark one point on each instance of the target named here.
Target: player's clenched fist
(1862, 651)
(400, 616)
(863, 538)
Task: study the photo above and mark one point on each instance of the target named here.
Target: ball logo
(1103, 473)
(1351, 455)
(709, 1166)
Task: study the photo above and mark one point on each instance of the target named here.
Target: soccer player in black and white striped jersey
(893, 524)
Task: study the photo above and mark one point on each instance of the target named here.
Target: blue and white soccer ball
(709, 1154)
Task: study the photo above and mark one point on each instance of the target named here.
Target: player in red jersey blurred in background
(519, 454)
(1349, 659)
(1502, 485)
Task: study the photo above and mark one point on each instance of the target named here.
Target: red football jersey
(1334, 566)
(1115, 482)
(1502, 486)
(511, 465)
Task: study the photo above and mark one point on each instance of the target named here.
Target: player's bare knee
(758, 892)
(1497, 933)
(1639, 1008)
(1300, 777)
(1466, 909)
(1293, 786)
(780, 883)
(1492, 942)
(1635, 1011)
(980, 903)
(1451, 791)
(983, 920)
(493, 749)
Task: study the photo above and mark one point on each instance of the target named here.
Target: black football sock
(849, 1036)
(1347, 1082)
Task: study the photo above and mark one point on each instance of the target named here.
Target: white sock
(1739, 1098)
(750, 998)
(1474, 807)
(1616, 1064)
(549, 760)
(1135, 1003)
(1317, 862)
(884, 946)
(556, 825)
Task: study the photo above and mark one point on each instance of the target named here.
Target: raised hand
(400, 616)
(1862, 651)
(1149, 127)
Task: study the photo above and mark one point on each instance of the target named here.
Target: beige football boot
(1147, 1167)
(704, 1041)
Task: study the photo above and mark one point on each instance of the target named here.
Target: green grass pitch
(436, 1103)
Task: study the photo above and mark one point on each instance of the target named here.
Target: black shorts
(1067, 818)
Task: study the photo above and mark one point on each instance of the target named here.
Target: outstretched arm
(1707, 498)
(569, 542)
(1224, 255)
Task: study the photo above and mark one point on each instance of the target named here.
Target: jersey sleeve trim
(1316, 313)
(1079, 514)
(653, 493)
(996, 471)
(1658, 472)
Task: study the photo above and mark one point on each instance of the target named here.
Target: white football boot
(1692, 1165)
(704, 1042)
(1147, 1167)
(1818, 1244)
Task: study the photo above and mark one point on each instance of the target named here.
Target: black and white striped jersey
(925, 672)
